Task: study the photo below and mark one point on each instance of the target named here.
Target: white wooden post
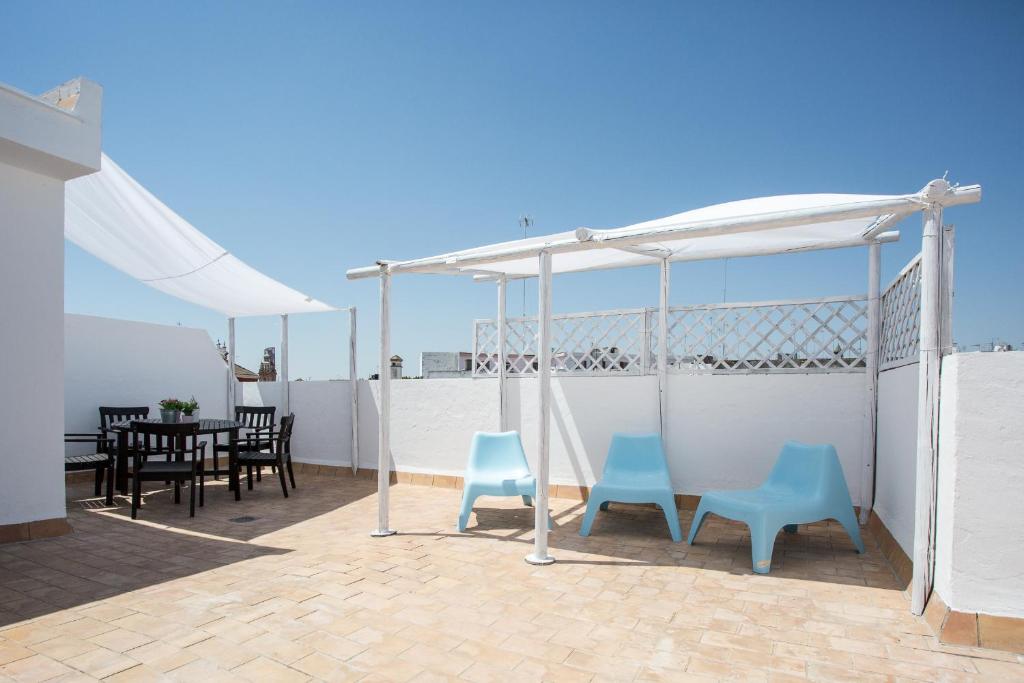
(946, 303)
(502, 342)
(232, 399)
(927, 413)
(663, 349)
(867, 464)
(353, 383)
(384, 435)
(540, 523)
(285, 386)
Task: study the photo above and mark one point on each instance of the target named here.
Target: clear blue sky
(308, 138)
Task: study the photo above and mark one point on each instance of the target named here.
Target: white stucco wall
(31, 339)
(725, 432)
(896, 460)
(127, 363)
(980, 525)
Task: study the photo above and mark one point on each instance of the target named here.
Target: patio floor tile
(272, 589)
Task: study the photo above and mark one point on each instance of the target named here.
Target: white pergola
(763, 226)
(113, 217)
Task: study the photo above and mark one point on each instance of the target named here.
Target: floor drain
(242, 520)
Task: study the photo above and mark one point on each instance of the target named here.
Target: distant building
(396, 367)
(446, 364)
(268, 368)
(244, 374)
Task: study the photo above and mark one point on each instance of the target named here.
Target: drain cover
(242, 520)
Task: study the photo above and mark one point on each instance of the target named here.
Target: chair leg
(216, 465)
(790, 528)
(762, 543)
(468, 498)
(259, 473)
(202, 484)
(284, 483)
(291, 474)
(192, 495)
(235, 478)
(668, 506)
(248, 476)
(527, 501)
(136, 494)
(99, 479)
(849, 522)
(604, 506)
(110, 484)
(177, 492)
(698, 520)
(594, 503)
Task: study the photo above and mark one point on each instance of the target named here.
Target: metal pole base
(380, 533)
(533, 559)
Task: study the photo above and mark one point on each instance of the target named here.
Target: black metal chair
(102, 460)
(280, 456)
(255, 420)
(184, 461)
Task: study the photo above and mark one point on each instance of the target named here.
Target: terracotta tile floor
(299, 591)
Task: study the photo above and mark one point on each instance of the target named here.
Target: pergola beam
(502, 352)
(285, 388)
(935, 193)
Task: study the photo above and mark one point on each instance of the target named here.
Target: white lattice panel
(820, 335)
(602, 343)
(901, 317)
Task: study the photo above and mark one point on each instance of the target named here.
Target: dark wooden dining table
(206, 427)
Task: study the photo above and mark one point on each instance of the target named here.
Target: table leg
(122, 462)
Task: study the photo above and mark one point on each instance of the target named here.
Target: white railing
(799, 336)
(901, 318)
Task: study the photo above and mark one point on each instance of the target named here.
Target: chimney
(396, 367)
(268, 368)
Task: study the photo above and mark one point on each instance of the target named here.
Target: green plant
(171, 404)
(190, 406)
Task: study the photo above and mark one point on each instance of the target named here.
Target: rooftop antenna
(525, 222)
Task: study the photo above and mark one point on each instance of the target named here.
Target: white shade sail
(765, 225)
(114, 218)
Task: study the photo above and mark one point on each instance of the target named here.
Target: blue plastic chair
(497, 467)
(806, 485)
(635, 472)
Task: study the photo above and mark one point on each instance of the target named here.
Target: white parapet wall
(44, 141)
(896, 462)
(112, 362)
(980, 522)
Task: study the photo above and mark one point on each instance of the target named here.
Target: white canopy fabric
(668, 238)
(114, 218)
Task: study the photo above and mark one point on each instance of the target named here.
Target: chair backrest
(255, 417)
(284, 435)
(635, 454)
(812, 470)
(497, 452)
(113, 414)
(175, 435)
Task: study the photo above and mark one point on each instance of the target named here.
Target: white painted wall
(726, 431)
(31, 308)
(980, 524)
(127, 363)
(41, 146)
(896, 460)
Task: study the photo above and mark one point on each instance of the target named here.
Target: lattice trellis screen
(901, 318)
(601, 343)
(819, 335)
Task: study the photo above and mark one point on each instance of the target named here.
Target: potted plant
(170, 410)
(190, 410)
